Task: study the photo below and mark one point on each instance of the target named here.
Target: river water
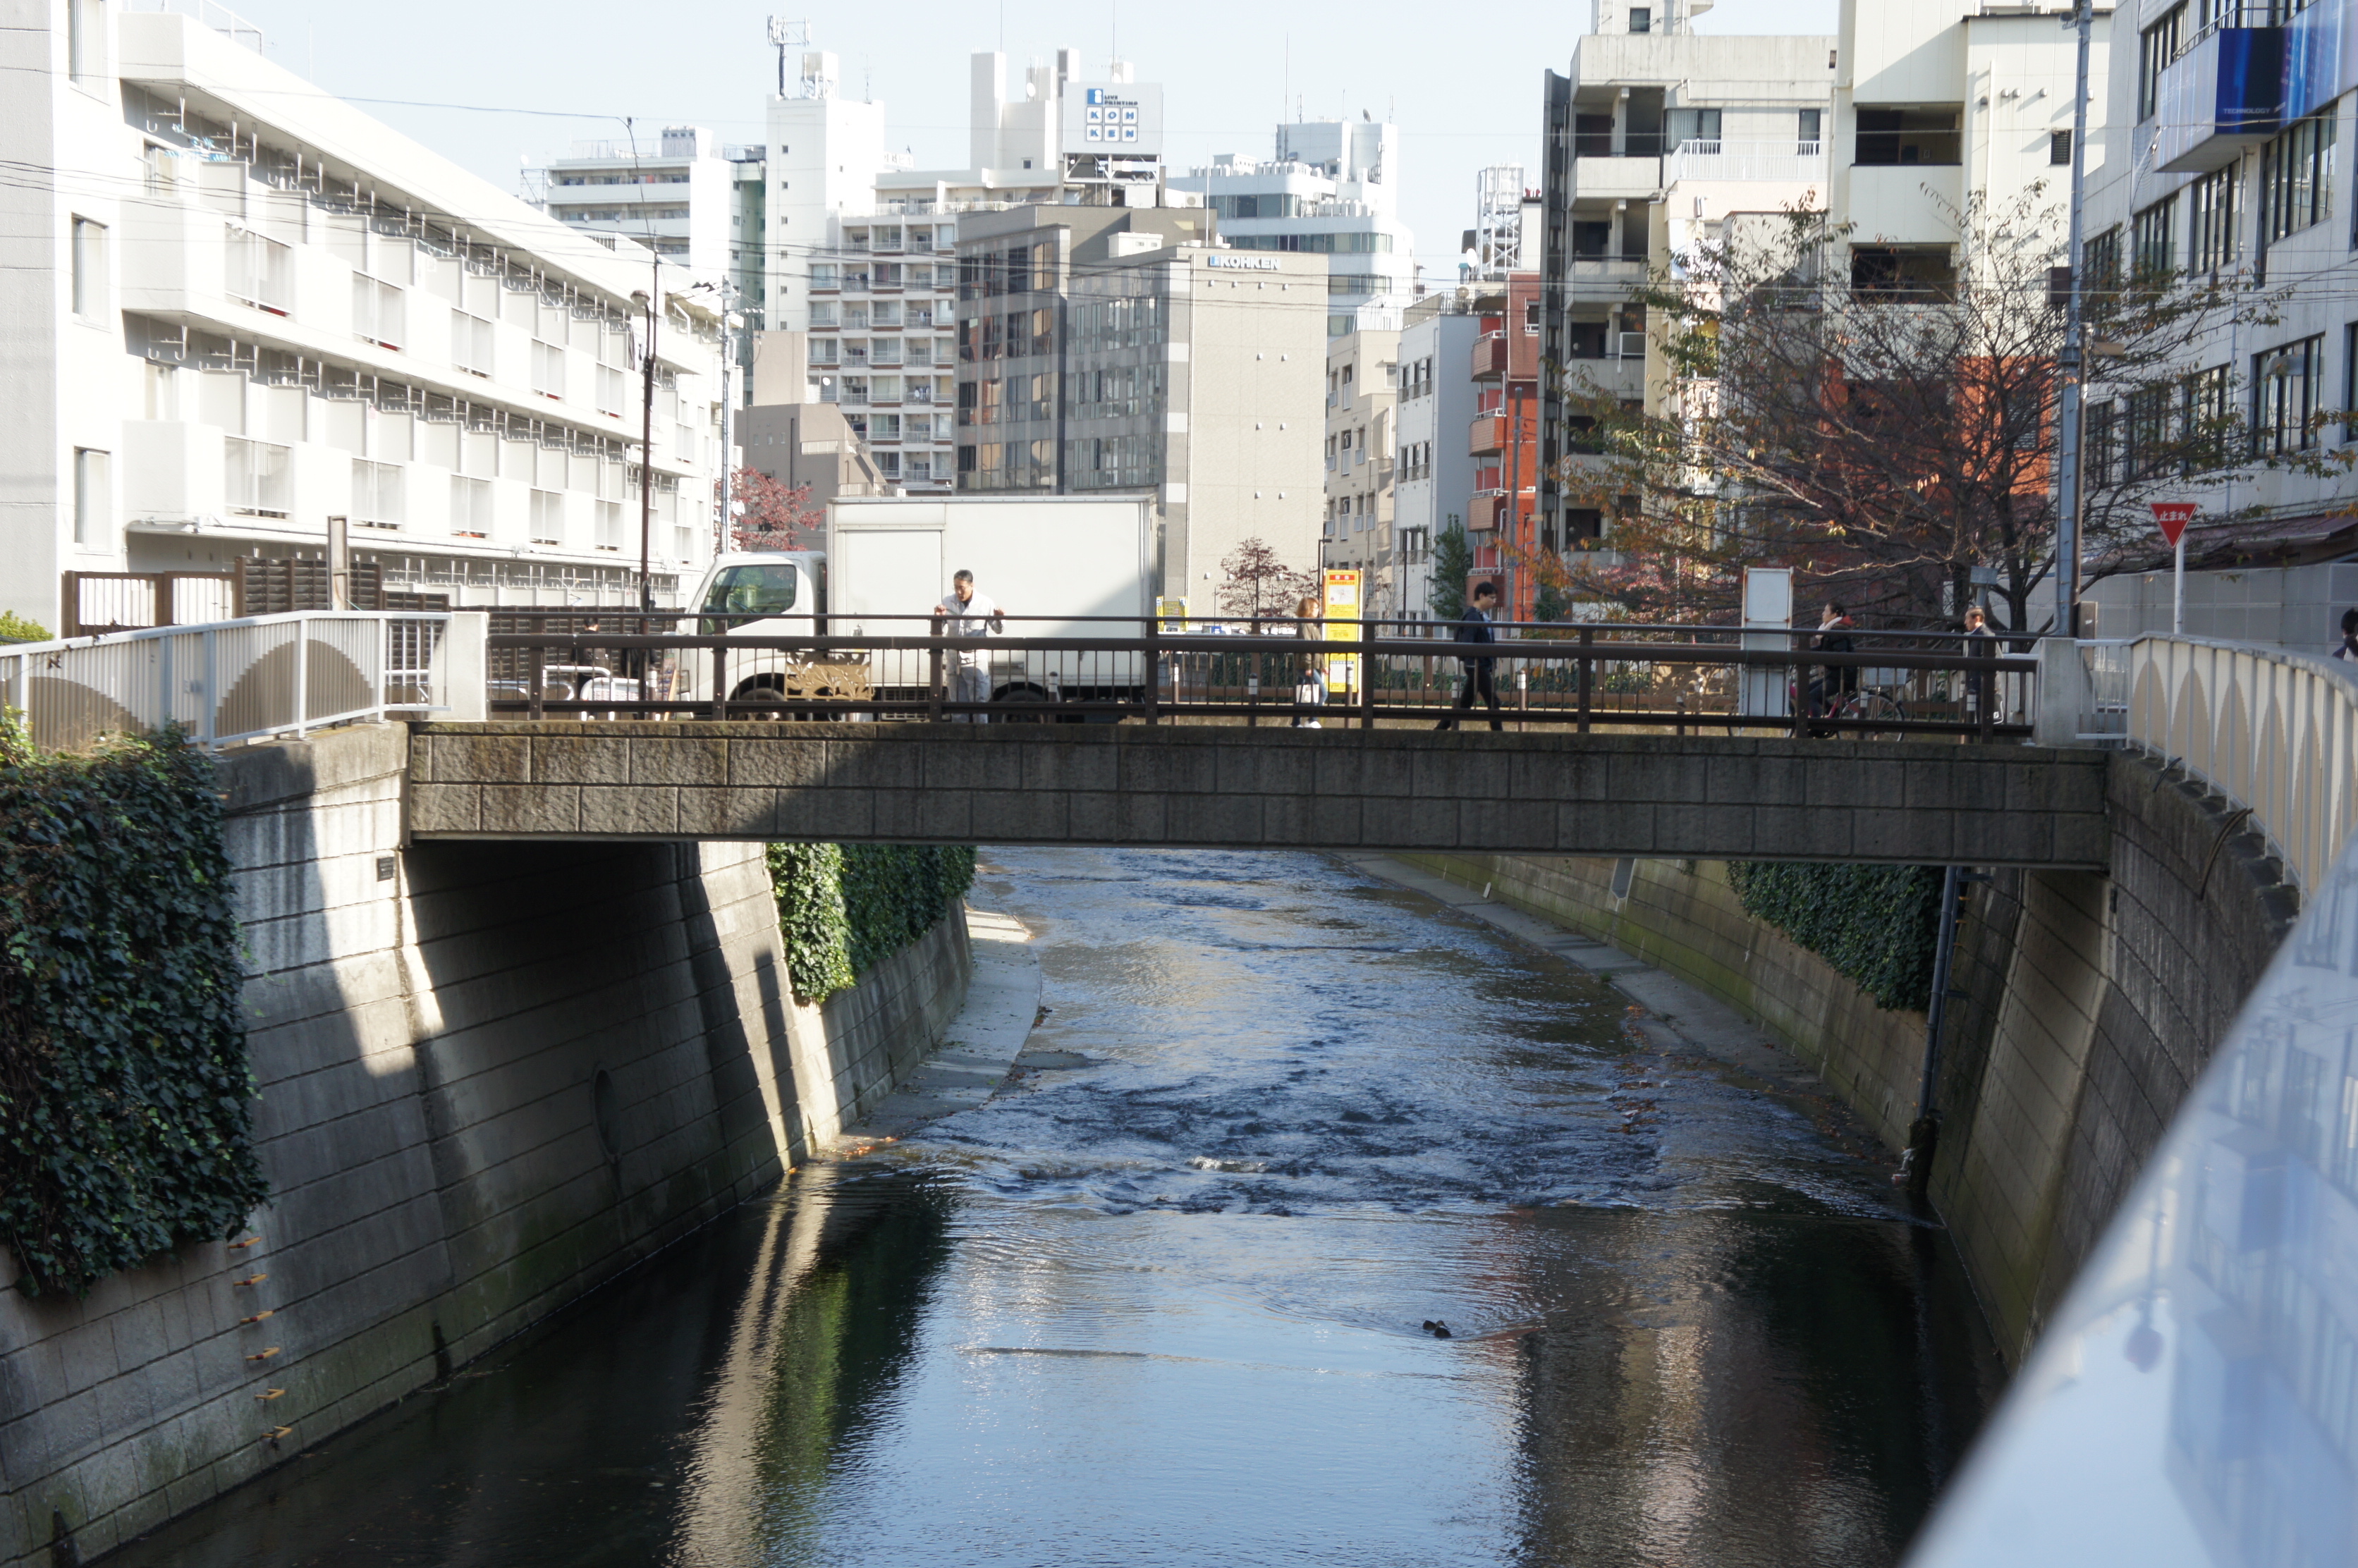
(1162, 1301)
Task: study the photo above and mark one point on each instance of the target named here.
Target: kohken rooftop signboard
(1122, 118)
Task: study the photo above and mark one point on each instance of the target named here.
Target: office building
(1332, 189)
(1122, 349)
(289, 313)
(673, 191)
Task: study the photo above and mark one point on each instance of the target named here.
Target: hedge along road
(1162, 1299)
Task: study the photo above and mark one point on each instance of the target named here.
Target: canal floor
(1164, 1300)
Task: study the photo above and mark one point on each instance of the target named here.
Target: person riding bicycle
(1839, 681)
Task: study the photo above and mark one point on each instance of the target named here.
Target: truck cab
(786, 592)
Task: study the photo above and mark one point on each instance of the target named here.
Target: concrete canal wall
(492, 1078)
(2091, 1000)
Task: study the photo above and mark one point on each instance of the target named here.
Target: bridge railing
(2275, 731)
(1274, 670)
(2194, 1399)
(240, 680)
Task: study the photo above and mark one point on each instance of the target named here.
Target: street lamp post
(2069, 363)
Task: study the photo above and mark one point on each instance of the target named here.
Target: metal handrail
(230, 681)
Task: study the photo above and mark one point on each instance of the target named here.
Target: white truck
(1051, 563)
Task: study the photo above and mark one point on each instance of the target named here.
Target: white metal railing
(2275, 731)
(230, 680)
(220, 18)
(1750, 160)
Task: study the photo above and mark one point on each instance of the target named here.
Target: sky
(516, 83)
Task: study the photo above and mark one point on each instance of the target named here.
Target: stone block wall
(492, 1076)
(2090, 1002)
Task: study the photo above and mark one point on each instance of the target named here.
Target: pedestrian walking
(965, 613)
(1981, 643)
(1475, 626)
(1309, 682)
(2349, 649)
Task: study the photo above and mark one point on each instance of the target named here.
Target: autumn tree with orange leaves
(1884, 421)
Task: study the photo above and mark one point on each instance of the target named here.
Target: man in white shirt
(967, 614)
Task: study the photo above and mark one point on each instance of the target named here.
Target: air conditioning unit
(1632, 345)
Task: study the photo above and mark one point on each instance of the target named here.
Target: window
(610, 391)
(683, 439)
(88, 269)
(1641, 18)
(261, 270)
(470, 507)
(547, 518)
(547, 369)
(378, 313)
(1902, 272)
(1812, 127)
(2149, 432)
(769, 589)
(2284, 397)
(1915, 136)
(822, 274)
(2103, 442)
(2157, 47)
(2059, 147)
(2100, 258)
(470, 344)
(86, 42)
(609, 525)
(2297, 178)
(2211, 221)
(376, 494)
(2152, 255)
(257, 477)
(2207, 413)
(94, 496)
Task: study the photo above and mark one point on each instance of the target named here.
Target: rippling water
(1162, 1301)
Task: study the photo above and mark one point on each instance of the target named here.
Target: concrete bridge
(1225, 786)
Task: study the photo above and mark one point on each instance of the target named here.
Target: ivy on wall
(1878, 925)
(125, 1099)
(843, 909)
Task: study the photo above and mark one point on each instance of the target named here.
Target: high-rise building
(1362, 397)
(289, 313)
(675, 194)
(1331, 191)
(1123, 349)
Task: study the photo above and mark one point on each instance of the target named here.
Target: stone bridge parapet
(1246, 788)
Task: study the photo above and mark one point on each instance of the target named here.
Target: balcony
(1489, 356)
(1615, 178)
(1603, 279)
(1787, 162)
(1487, 434)
(2221, 97)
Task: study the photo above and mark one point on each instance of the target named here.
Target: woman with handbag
(1309, 685)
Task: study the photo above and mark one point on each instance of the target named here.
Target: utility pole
(647, 448)
(2070, 362)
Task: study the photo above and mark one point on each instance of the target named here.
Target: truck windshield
(752, 591)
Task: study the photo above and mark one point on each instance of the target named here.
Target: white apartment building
(674, 191)
(1433, 479)
(1656, 138)
(240, 308)
(1123, 349)
(2219, 162)
(1935, 104)
(1362, 424)
(1333, 189)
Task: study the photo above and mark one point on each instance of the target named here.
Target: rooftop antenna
(783, 35)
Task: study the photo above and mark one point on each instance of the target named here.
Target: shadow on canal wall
(2090, 1003)
(492, 1076)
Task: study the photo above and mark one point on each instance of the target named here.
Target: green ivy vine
(125, 1098)
(1876, 924)
(843, 909)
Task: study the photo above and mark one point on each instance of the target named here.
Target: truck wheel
(1020, 705)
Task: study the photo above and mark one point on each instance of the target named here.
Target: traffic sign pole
(2172, 517)
(2178, 593)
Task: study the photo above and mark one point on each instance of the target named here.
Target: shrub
(845, 909)
(1877, 925)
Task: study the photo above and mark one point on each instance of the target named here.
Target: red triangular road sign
(2172, 517)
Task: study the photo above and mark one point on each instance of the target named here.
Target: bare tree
(1885, 418)
(1255, 582)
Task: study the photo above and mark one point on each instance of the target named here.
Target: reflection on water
(1161, 1302)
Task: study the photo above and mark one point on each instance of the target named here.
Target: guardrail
(2275, 731)
(238, 680)
(2193, 1399)
(1569, 676)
